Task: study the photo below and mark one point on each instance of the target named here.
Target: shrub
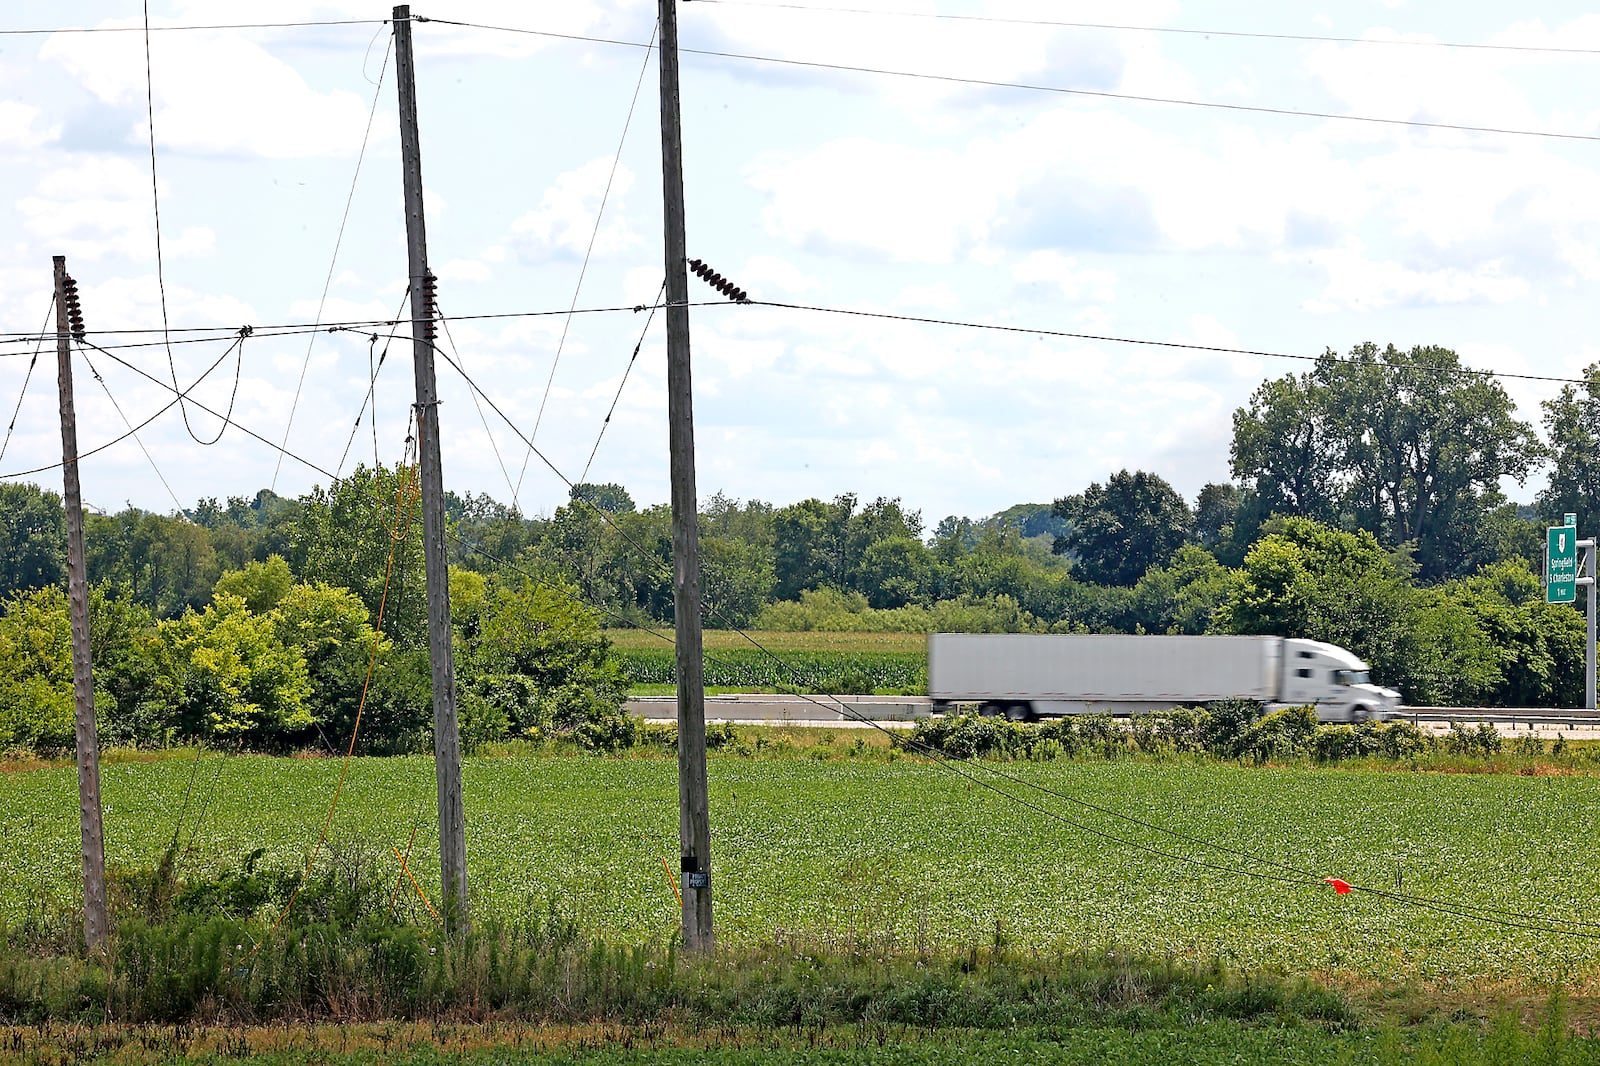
(1286, 734)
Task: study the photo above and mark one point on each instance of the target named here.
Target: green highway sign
(1561, 564)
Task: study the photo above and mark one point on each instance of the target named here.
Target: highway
(902, 712)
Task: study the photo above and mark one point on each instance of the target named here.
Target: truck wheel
(1361, 714)
(1019, 712)
(990, 709)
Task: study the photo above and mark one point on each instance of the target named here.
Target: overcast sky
(1044, 210)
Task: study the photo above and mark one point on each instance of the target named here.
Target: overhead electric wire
(333, 263)
(290, 329)
(27, 378)
(197, 26)
(634, 358)
(992, 83)
(93, 370)
(155, 200)
(1107, 338)
(371, 395)
(1316, 38)
(227, 420)
(118, 440)
(482, 418)
(594, 236)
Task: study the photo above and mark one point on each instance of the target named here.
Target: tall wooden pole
(96, 921)
(694, 814)
(446, 726)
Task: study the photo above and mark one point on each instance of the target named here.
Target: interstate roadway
(901, 712)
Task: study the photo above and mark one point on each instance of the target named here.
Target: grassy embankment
(883, 663)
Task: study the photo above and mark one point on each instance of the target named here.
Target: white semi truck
(1024, 676)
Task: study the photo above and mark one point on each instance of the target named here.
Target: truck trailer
(1025, 676)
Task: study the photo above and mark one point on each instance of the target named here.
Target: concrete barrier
(756, 707)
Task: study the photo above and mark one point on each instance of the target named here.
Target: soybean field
(900, 853)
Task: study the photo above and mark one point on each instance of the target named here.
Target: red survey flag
(1341, 887)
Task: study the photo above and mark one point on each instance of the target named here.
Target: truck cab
(1333, 681)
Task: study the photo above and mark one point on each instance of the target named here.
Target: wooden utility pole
(96, 921)
(694, 807)
(446, 726)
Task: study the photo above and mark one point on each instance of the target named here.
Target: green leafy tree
(1184, 595)
(332, 632)
(610, 498)
(1287, 447)
(1404, 444)
(131, 695)
(811, 545)
(232, 677)
(1425, 446)
(541, 660)
(344, 537)
(736, 581)
(36, 703)
(167, 563)
(1124, 527)
(1572, 428)
(260, 585)
(894, 571)
(1304, 579)
(33, 539)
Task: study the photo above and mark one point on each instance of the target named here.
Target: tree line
(1366, 507)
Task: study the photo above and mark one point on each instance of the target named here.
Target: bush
(1287, 734)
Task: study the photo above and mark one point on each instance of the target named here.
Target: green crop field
(905, 853)
(819, 661)
(814, 640)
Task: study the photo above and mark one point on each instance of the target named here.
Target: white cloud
(17, 126)
(216, 93)
(563, 224)
(1356, 282)
(1074, 282)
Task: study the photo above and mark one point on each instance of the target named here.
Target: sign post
(1561, 586)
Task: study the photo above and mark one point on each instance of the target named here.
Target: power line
(1243, 34)
(333, 263)
(1147, 342)
(134, 429)
(28, 377)
(482, 418)
(184, 395)
(184, 28)
(371, 396)
(990, 83)
(155, 200)
(594, 235)
(289, 329)
(634, 358)
(120, 414)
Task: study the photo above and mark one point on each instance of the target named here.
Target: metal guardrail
(1530, 716)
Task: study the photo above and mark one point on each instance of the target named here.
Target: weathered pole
(694, 814)
(446, 726)
(96, 921)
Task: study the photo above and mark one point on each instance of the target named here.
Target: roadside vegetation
(872, 904)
